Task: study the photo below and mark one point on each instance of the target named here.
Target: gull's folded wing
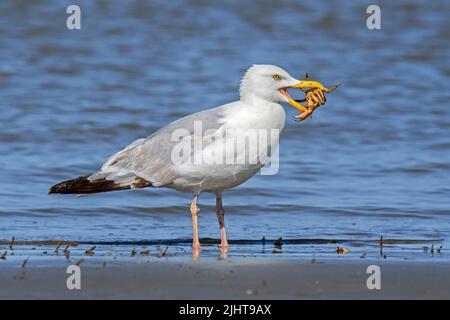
(150, 158)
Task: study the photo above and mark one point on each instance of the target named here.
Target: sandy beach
(240, 278)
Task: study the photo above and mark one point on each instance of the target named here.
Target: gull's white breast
(204, 173)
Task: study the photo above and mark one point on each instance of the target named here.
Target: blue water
(374, 161)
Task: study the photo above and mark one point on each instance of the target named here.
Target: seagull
(177, 156)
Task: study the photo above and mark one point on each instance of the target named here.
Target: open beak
(302, 85)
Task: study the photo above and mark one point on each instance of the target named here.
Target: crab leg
(331, 89)
(313, 102)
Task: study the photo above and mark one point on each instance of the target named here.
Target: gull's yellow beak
(302, 85)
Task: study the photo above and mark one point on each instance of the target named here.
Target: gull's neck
(265, 113)
(253, 100)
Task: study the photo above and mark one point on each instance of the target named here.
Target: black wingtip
(57, 188)
(66, 186)
(52, 190)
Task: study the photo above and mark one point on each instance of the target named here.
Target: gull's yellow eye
(276, 77)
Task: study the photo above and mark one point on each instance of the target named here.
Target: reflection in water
(196, 253)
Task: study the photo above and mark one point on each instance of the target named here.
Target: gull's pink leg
(194, 211)
(221, 218)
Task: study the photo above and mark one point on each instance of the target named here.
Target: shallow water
(374, 161)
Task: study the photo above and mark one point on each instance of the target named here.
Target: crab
(314, 98)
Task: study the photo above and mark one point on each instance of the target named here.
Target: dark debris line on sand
(160, 252)
(40, 243)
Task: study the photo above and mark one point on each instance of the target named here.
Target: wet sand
(240, 278)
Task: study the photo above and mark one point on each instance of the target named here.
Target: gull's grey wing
(150, 158)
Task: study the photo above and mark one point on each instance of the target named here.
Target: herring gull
(161, 160)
